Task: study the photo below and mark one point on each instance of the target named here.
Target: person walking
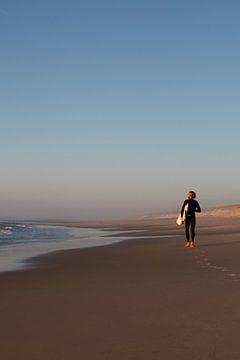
(189, 208)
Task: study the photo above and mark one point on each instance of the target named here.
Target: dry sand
(145, 299)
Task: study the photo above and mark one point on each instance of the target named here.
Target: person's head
(191, 195)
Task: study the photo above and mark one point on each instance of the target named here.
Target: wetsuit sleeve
(197, 208)
(182, 210)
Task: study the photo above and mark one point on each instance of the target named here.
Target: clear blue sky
(116, 108)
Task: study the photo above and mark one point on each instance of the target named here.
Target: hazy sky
(116, 108)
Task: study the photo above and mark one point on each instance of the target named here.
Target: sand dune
(226, 211)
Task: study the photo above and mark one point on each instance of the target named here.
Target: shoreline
(17, 256)
(134, 300)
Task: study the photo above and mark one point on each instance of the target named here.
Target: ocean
(22, 241)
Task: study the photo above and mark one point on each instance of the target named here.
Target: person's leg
(187, 226)
(193, 224)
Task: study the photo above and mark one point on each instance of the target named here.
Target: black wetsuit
(193, 206)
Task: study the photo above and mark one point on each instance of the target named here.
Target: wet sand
(144, 299)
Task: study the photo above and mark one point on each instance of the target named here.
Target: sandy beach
(142, 299)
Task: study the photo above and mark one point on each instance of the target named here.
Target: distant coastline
(225, 211)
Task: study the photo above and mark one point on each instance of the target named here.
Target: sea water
(22, 241)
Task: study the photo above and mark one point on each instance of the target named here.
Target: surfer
(191, 206)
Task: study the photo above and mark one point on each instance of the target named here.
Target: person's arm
(182, 210)
(198, 209)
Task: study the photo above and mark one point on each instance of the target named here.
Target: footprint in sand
(203, 260)
(232, 275)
